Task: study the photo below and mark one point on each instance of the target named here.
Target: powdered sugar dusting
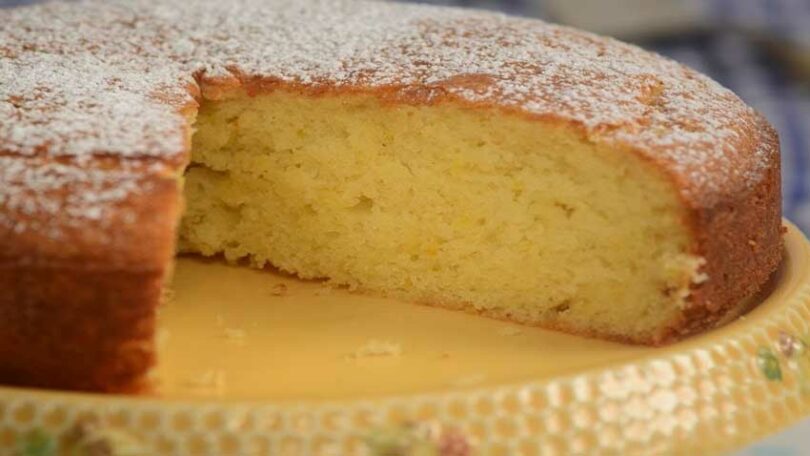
(90, 78)
(81, 105)
(34, 191)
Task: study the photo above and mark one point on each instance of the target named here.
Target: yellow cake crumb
(278, 289)
(162, 337)
(444, 205)
(235, 335)
(211, 381)
(373, 348)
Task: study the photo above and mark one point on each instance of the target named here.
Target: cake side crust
(741, 240)
(78, 310)
(68, 328)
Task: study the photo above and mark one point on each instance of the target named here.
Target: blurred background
(760, 49)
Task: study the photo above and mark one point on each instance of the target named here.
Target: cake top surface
(83, 82)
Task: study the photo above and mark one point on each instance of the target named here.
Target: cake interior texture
(446, 205)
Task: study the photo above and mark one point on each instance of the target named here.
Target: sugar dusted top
(87, 81)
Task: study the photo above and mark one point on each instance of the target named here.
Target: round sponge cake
(470, 160)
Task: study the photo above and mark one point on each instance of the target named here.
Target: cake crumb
(699, 278)
(374, 348)
(212, 381)
(510, 331)
(162, 337)
(278, 289)
(235, 335)
(166, 295)
(752, 243)
(324, 290)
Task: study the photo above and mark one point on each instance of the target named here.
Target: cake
(502, 166)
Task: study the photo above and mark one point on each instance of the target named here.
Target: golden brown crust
(78, 312)
(740, 239)
(72, 328)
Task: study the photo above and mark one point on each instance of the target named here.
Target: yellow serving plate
(255, 362)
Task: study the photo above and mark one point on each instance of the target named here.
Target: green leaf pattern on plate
(418, 439)
(37, 443)
(85, 438)
(792, 355)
